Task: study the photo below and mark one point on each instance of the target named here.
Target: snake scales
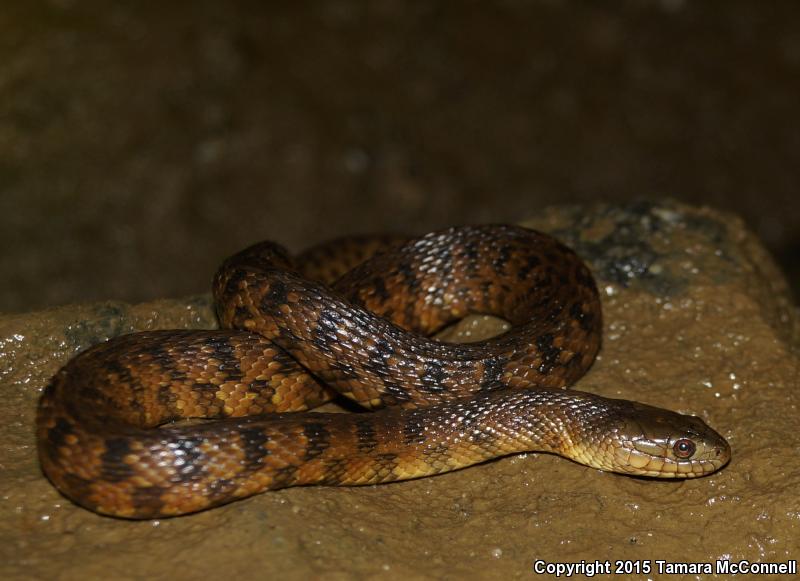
(110, 439)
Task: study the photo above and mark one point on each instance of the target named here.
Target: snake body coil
(107, 432)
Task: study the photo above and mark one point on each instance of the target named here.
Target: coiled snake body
(107, 435)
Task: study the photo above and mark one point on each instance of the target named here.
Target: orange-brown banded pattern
(107, 432)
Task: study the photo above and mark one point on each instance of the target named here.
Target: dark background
(142, 142)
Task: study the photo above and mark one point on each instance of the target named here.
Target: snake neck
(400, 444)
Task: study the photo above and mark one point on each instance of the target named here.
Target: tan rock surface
(696, 319)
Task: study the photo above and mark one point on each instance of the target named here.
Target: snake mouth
(656, 460)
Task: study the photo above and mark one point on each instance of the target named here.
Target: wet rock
(697, 319)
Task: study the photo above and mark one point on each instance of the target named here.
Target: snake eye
(684, 448)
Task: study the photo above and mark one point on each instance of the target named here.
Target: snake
(166, 423)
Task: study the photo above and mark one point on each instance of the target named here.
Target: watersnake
(114, 426)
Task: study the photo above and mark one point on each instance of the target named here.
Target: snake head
(655, 442)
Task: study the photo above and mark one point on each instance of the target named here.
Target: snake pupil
(684, 448)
